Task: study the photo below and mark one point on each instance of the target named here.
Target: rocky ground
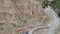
(18, 16)
(57, 31)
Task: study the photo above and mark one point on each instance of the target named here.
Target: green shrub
(56, 4)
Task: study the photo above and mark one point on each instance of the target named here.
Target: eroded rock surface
(18, 16)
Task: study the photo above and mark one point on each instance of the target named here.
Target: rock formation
(19, 16)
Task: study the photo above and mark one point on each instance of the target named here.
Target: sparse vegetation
(18, 25)
(1, 24)
(56, 4)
